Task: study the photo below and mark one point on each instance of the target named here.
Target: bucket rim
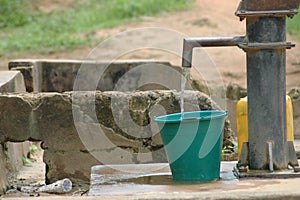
(213, 115)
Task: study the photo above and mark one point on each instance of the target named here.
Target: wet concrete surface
(227, 187)
(159, 185)
(114, 179)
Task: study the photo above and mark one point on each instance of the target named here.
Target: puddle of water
(166, 179)
(107, 180)
(161, 181)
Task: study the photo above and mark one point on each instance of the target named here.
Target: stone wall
(11, 153)
(60, 75)
(109, 127)
(48, 117)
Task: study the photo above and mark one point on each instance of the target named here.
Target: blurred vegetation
(26, 30)
(13, 13)
(293, 25)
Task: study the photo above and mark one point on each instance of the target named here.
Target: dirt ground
(207, 18)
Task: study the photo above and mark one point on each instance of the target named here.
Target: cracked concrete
(72, 124)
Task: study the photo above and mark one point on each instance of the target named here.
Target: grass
(12, 13)
(25, 31)
(293, 25)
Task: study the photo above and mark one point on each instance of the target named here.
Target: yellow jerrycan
(242, 121)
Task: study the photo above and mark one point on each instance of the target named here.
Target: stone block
(27, 74)
(10, 153)
(4, 171)
(70, 164)
(11, 81)
(25, 67)
(16, 113)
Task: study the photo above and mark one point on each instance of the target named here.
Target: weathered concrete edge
(222, 195)
(184, 196)
(34, 62)
(36, 110)
(33, 101)
(39, 77)
(11, 81)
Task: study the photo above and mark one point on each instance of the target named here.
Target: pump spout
(190, 43)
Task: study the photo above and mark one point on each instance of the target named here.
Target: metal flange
(266, 46)
(249, 8)
(282, 174)
(244, 14)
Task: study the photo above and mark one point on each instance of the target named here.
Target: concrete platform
(228, 187)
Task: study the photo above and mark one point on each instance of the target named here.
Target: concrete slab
(48, 75)
(228, 187)
(11, 81)
(10, 154)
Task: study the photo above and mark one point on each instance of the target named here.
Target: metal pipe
(266, 82)
(266, 92)
(190, 43)
(270, 152)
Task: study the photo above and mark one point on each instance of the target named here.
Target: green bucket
(193, 144)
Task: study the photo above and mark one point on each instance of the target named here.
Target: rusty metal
(266, 60)
(266, 93)
(284, 174)
(190, 43)
(264, 5)
(273, 45)
(270, 156)
(244, 14)
(256, 8)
